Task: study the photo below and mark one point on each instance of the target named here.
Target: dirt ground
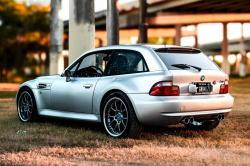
(61, 142)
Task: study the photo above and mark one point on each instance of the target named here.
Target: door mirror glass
(67, 73)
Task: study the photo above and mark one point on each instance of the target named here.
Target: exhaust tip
(191, 120)
(222, 117)
(219, 117)
(185, 120)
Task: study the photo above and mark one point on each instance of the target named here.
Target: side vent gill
(42, 86)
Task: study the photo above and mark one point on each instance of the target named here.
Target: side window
(92, 65)
(73, 69)
(126, 61)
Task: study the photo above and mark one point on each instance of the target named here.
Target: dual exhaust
(190, 119)
(220, 117)
(187, 120)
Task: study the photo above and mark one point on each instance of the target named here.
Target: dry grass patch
(146, 155)
(55, 142)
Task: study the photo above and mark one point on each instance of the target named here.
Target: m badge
(202, 78)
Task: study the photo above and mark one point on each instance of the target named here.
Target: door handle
(87, 85)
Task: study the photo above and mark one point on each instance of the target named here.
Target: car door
(77, 94)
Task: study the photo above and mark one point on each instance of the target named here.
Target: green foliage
(21, 30)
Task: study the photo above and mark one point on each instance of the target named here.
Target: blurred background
(221, 29)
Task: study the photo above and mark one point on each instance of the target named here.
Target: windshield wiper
(184, 66)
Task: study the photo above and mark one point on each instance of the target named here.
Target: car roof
(154, 46)
(136, 46)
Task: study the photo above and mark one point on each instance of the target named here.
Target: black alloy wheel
(119, 118)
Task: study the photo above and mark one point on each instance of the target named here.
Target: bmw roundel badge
(202, 78)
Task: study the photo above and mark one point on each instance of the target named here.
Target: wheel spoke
(124, 110)
(24, 96)
(121, 106)
(26, 114)
(119, 127)
(112, 121)
(30, 100)
(115, 126)
(113, 109)
(123, 124)
(116, 106)
(24, 102)
(25, 106)
(115, 116)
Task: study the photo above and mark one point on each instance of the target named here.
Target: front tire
(119, 118)
(207, 126)
(26, 106)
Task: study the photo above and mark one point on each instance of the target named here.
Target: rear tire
(26, 106)
(119, 118)
(207, 126)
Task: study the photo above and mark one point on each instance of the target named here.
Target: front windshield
(199, 60)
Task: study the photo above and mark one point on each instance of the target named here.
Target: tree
(22, 29)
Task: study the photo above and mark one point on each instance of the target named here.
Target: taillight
(224, 87)
(164, 89)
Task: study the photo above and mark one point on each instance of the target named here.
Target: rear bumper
(169, 110)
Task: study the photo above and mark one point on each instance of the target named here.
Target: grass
(7, 94)
(57, 142)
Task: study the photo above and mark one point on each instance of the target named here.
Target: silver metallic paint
(149, 109)
(183, 78)
(70, 115)
(196, 113)
(72, 96)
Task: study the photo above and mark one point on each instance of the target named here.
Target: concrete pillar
(237, 64)
(81, 27)
(112, 23)
(177, 40)
(143, 35)
(56, 36)
(243, 63)
(224, 51)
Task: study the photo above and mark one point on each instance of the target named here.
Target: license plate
(203, 88)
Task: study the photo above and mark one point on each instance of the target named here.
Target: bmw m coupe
(126, 87)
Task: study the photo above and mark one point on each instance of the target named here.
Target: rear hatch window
(195, 59)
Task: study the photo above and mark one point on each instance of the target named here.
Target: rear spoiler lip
(178, 50)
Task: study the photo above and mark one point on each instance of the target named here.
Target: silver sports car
(125, 87)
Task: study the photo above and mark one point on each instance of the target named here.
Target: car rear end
(198, 91)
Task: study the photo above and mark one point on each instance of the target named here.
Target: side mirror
(67, 73)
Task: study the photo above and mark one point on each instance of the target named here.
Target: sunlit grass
(51, 141)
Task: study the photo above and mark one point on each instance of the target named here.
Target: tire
(119, 118)
(207, 126)
(26, 106)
